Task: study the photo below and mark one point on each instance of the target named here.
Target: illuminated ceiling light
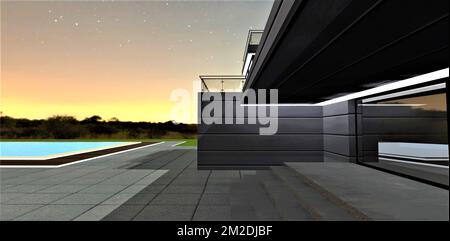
(247, 63)
(439, 74)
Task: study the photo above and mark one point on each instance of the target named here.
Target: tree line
(68, 127)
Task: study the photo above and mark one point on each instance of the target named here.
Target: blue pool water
(37, 149)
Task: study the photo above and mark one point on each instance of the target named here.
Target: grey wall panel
(282, 111)
(285, 126)
(300, 111)
(261, 143)
(343, 125)
(339, 126)
(244, 111)
(300, 137)
(404, 125)
(399, 111)
(232, 109)
(341, 108)
(343, 145)
(256, 158)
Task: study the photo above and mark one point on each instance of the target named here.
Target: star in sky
(183, 37)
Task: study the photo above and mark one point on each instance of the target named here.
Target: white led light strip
(247, 63)
(440, 74)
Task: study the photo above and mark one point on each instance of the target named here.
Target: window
(406, 132)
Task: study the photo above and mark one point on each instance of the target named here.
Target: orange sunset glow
(117, 58)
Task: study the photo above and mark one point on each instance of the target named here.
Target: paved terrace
(162, 183)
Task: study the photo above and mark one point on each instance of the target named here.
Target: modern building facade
(358, 81)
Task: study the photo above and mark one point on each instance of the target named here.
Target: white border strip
(278, 105)
(387, 105)
(414, 158)
(179, 143)
(414, 163)
(80, 161)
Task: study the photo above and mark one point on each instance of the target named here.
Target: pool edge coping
(64, 154)
(78, 161)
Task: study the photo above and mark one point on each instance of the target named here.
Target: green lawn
(188, 142)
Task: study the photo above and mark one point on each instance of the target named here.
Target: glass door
(406, 133)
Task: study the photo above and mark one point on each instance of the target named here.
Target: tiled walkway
(154, 183)
(84, 191)
(162, 183)
(185, 193)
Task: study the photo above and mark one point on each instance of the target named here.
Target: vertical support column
(339, 128)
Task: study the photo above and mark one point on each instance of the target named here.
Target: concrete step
(319, 204)
(250, 201)
(284, 201)
(374, 194)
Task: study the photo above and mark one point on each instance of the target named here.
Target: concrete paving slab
(52, 180)
(134, 188)
(140, 199)
(176, 199)
(9, 212)
(152, 177)
(126, 178)
(19, 180)
(124, 213)
(104, 188)
(217, 188)
(118, 199)
(6, 186)
(96, 213)
(25, 188)
(36, 198)
(215, 199)
(8, 196)
(164, 180)
(190, 181)
(226, 181)
(84, 181)
(225, 174)
(153, 188)
(213, 212)
(182, 189)
(63, 188)
(166, 213)
(83, 198)
(55, 213)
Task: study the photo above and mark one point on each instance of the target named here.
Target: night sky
(117, 58)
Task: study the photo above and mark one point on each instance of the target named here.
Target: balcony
(222, 83)
(253, 40)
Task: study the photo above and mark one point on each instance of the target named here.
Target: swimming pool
(43, 150)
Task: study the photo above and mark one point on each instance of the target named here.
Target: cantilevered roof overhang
(313, 50)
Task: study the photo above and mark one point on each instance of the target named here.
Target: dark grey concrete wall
(305, 134)
(339, 134)
(299, 139)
